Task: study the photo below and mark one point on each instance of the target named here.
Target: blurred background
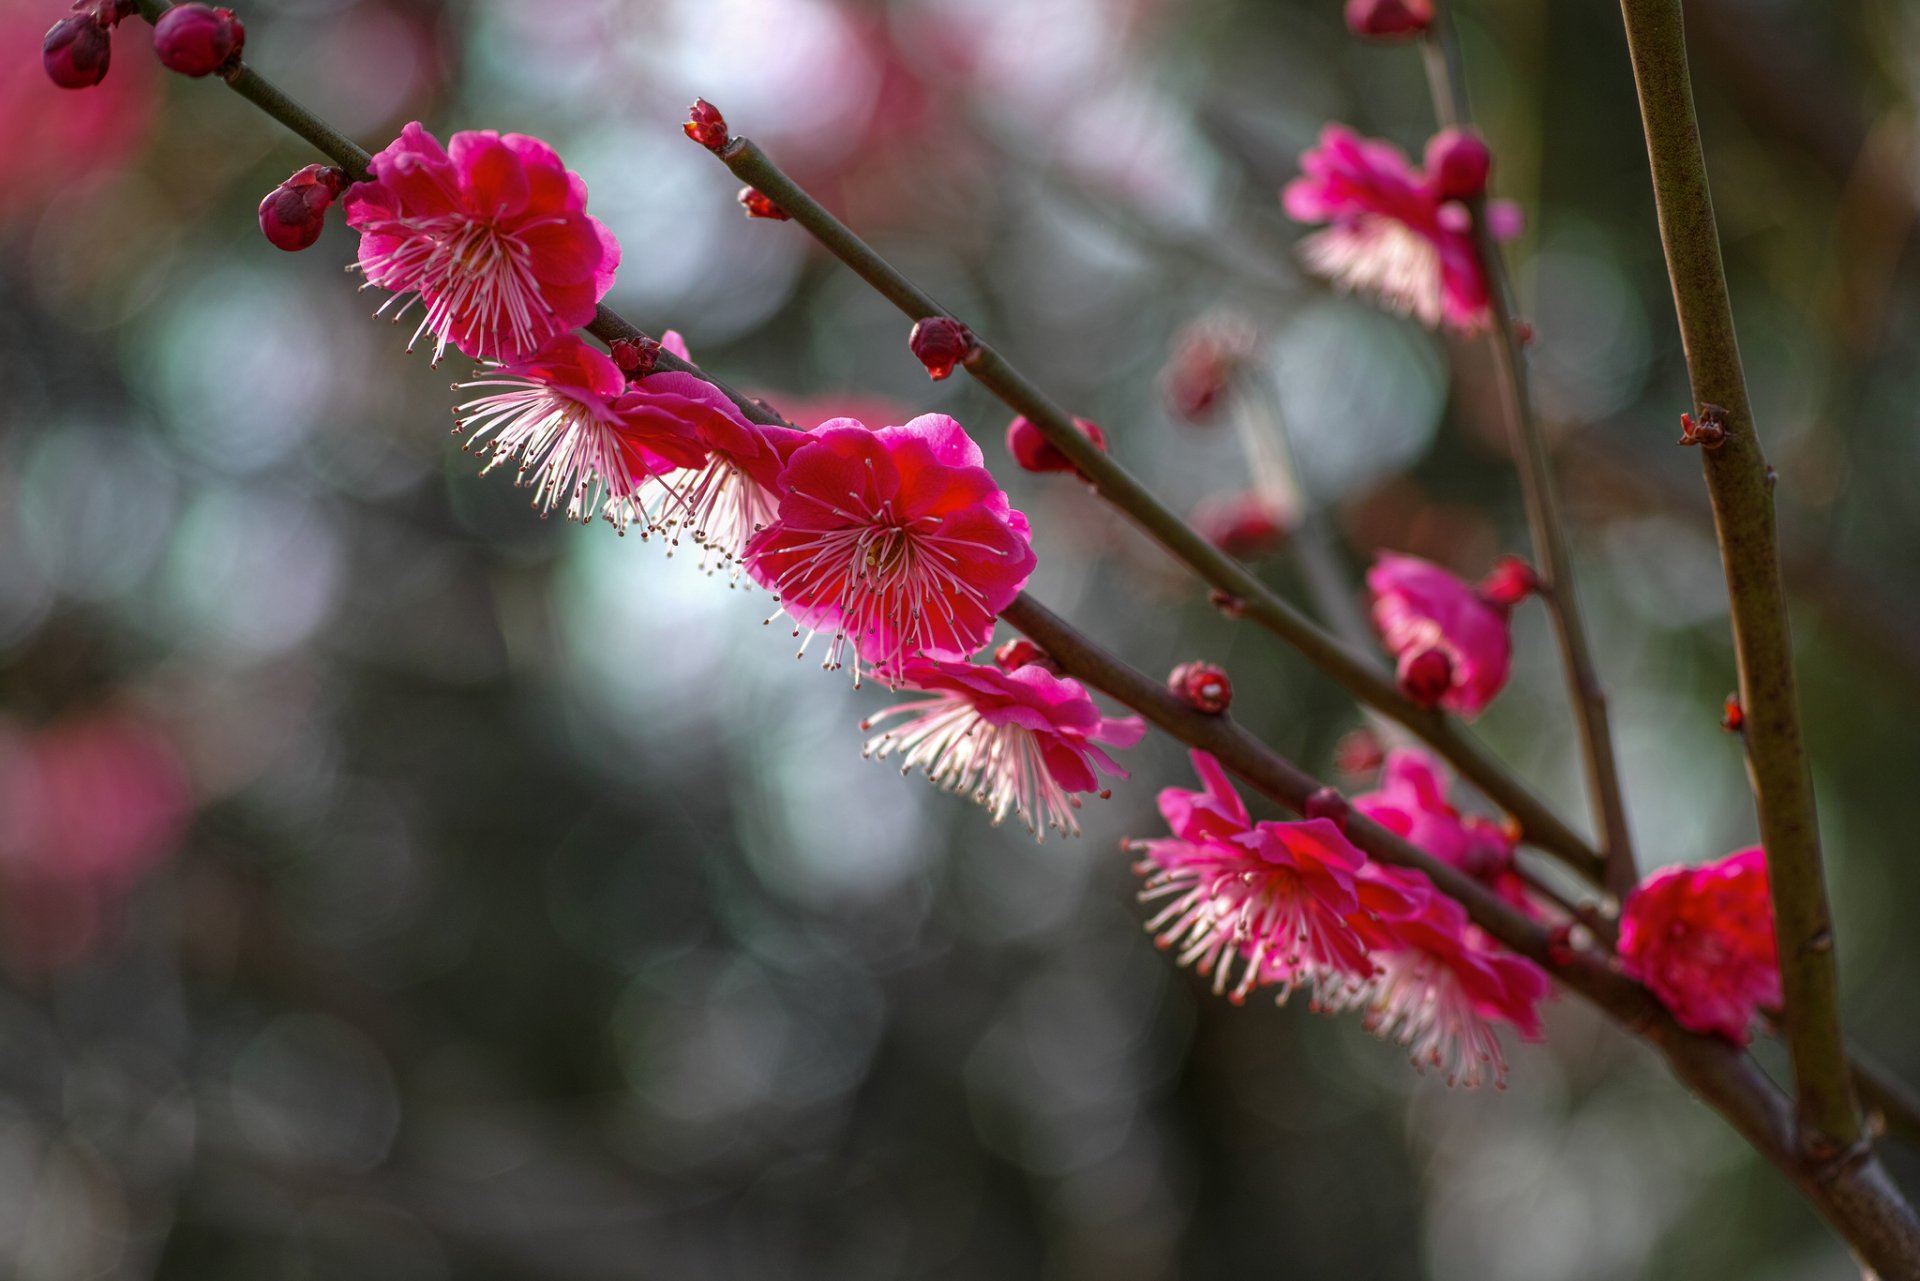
(396, 886)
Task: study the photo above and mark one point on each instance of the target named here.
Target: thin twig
(1353, 673)
(1740, 485)
(1544, 523)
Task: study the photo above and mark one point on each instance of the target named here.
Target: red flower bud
(1389, 19)
(1034, 452)
(1246, 526)
(77, 50)
(1511, 582)
(705, 125)
(758, 206)
(1202, 686)
(635, 356)
(1733, 717)
(1458, 164)
(1426, 675)
(1018, 653)
(294, 212)
(940, 343)
(197, 40)
(1328, 804)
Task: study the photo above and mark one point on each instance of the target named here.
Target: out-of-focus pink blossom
(1701, 939)
(896, 541)
(1022, 742)
(1411, 801)
(51, 139)
(1273, 898)
(87, 807)
(559, 416)
(490, 236)
(1453, 645)
(1034, 452)
(294, 213)
(1247, 525)
(1389, 19)
(1207, 355)
(1396, 233)
(1442, 984)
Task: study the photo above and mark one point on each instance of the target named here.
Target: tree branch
(1740, 485)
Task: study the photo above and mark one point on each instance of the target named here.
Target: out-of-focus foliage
(461, 895)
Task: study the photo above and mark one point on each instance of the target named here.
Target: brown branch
(1740, 485)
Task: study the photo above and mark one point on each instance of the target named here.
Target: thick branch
(1360, 678)
(1544, 523)
(1740, 485)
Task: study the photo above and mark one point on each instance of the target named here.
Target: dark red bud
(1389, 19)
(1018, 653)
(1425, 676)
(758, 206)
(1710, 432)
(1458, 164)
(705, 125)
(1733, 717)
(635, 356)
(1560, 944)
(1328, 804)
(1511, 582)
(1034, 452)
(198, 40)
(76, 51)
(940, 343)
(294, 212)
(1202, 686)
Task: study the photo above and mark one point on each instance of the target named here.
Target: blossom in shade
(1272, 898)
(1441, 985)
(1207, 356)
(1396, 232)
(897, 542)
(1411, 801)
(1022, 742)
(1389, 19)
(1701, 939)
(562, 416)
(489, 235)
(1453, 645)
(734, 492)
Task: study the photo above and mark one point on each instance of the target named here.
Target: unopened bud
(635, 356)
(294, 212)
(1389, 19)
(1511, 582)
(1733, 717)
(1207, 356)
(757, 205)
(197, 39)
(705, 125)
(1202, 686)
(1018, 653)
(1328, 804)
(1034, 452)
(76, 51)
(940, 343)
(1458, 164)
(1426, 675)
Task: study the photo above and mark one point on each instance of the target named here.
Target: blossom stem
(1547, 529)
(1850, 1189)
(1353, 672)
(1740, 487)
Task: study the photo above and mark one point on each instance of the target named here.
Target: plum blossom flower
(1397, 233)
(1441, 986)
(1023, 742)
(1275, 898)
(1453, 644)
(490, 236)
(1411, 801)
(897, 542)
(1701, 939)
(564, 417)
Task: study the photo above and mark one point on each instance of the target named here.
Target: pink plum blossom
(897, 542)
(1023, 742)
(1395, 232)
(490, 236)
(1452, 644)
(1701, 939)
(1411, 802)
